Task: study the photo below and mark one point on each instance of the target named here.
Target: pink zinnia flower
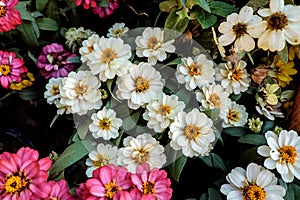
(86, 3)
(23, 176)
(11, 68)
(106, 181)
(153, 184)
(60, 190)
(53, 61)
(106, 11)
(9, 16)
(133, 194)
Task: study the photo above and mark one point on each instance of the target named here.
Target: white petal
(295, 171)
(245, 43)
(288, 178)
(270, 163)
(264, 178)
(225, 27)
(264, 150)
(235, 195)
(292, 33)
(227, 38)
(276, 5)
(245, 14)
(253, 170)
(276, 41)
(265, 12)
(275, 189)
(282, 168)
(232, 18)
(226, 188)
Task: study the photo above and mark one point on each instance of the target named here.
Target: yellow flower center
(100, 162)
(153, 43)
(55, 90)
(108, 55)
(90, 48)
(277, 21)
(141, 84)
(164, 110)
(148, 187)
(2, 11)
(104, 124)
(53, 198)
(141, 155)
(110, 189)
(288, 154)
(4, 69)
(215, 100)
(195, 69)
(235, 74)
(233, 115)
(16, 182)
(253, 192)
(80, 88)
(192, 132)
(239, 29)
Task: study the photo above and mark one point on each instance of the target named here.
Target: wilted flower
(75, 36)
(255, 124)
(9, 16)
(54, 62)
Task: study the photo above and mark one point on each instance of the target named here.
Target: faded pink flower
(106, 11)
(153, 184)
(23, 176)
(86, 3)
(9, 16)
(60, 190)
(11, 68)
(54, 61)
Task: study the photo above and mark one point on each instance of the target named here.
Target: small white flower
(109, 58)
(254, 183)
(213, 96)
(195, 72)
(236, 115)
(283, 153)
(241, 28)
(282, 25)
(153, 46)
(53, 88)
(103, 155)
(117, 30)
(105, 124)
(234, 79)
(140, 85)
(192, 133)
(88, 47)
(160, 112)
(81, 92)
(142, 149)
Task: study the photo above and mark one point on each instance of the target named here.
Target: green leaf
(168, 6)
(221, 8)
(176, 61)
(290, 193)
(174, 26)
(70, 155)
(130, 122)
(235, 131)
(104, 3)
(203, 4)
(53, 10)
(36, 29)
(213, 113)
(284, 54)
(24, 14)
(176, 167)
(254, 139)
(53, 120)
(28, 34)
(184, 95)
(205, 19)
(29, 93)
(47, 24)
(41, 4)
(203, 196)
(213, 194)
(83, 126)
(255, 4)
(267, 125)
(75, 59)
(213, 160)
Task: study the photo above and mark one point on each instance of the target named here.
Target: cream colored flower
(75, 36)
(117, 30)
(236, 115)
(241, 28)
(88, 47)
(282, 25)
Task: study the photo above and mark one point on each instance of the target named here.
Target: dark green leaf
(176, 167)
(235, 131)
(174, 26)
(203, 4)
(284, 54)
(267, 125)
(254, 139)
(184, 95)
(213, 113)
(41, 4)
(36, 29)
(205, 19)
(75, 59)
(24, 14)
(203, 196)
(255, 4)
(47, 24)
(235, 97)
(53, 11)
(290, 193)
(213, 160)
(83, 123)
(130, 122)
(213, 194)
(29, 93)
(221, 8)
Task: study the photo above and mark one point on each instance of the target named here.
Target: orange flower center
(104, 124)
(253, 192)
(148, 187)
(4, 69)
(141, 84)
(153, 43)
(2, 11)
(15, 183)
(233, 115)
(277, 21)
(108, 55)
(235, 74)
(55, 90)
(192, 132)
(239, 29)
(110, 189)
(288, 154)
(164, 110)
(215, 100)
(141, 155)
(195, 69)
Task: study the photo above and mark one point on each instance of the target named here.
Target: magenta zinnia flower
(106, 11)
(11, 68)
(60, 190)
(53, 61)
(9, 16)
(153, 184)
(23, 176)
(86, 3)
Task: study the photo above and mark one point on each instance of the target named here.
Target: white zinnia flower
(103, 155)
(88, 47)
(236, 115)
(109, 58)
(140, 85)
(283, 153)
(192, 133)
(160, 112)
(105, 124)
(282, 24)
(142, 149)
(195, 72)
(117, 30)
(213, 96)
(241, 28)
(53, 88)
(153, 46)
(81, 92)
(234, 79)
(254, 183)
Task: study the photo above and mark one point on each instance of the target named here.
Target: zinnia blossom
(86, 3)
(23, 176)
(53, 61)
(60, 190)
(9, 16)
(11, 68)
(106, 11)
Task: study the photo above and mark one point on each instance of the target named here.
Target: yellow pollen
(108, 55)
(253, 192)
(2, 11)
(53, 198)
(90, 48)
(164, 110)
(55, 90)
(233, 115)
(15, 183)
(104, 124)
(153, 43)
(141, 84)
(148, 187)
(192, 132)
(141, 155)
(239, 29)
(80, 89)
(235, 74)
(277, 21)
(215, 100)
(195, 69)
(100, 163)
(288, 154)
(4, 69)
(110, 189)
